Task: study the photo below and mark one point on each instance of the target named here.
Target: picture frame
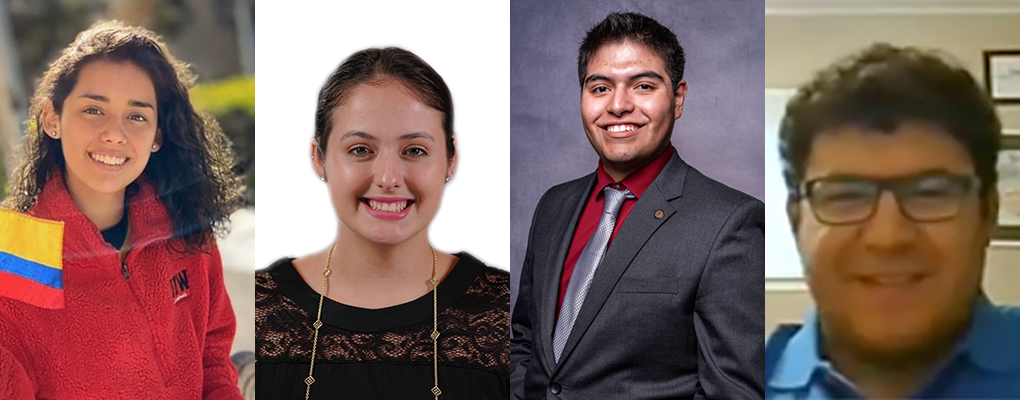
(1008, 225)
(1002, 75)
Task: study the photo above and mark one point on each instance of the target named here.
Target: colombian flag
(30, 259)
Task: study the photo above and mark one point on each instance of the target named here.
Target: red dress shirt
(637, 183)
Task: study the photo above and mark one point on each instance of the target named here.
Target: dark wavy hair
(376, 65)
(619, 27)
(881, 87)
(192, 173)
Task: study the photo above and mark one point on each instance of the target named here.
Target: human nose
(113, 132)
(389, 172)
(621, 103)
(888, 228)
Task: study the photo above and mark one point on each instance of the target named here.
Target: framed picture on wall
(1002, 75)
(1009, 189)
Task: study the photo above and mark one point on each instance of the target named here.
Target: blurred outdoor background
(217, 37)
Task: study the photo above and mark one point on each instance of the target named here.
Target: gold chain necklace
(435, 325)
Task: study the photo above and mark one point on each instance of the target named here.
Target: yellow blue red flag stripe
(31, 267)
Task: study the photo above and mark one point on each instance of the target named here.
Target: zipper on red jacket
(141, 307)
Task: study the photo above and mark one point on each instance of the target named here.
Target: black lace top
(384, 353)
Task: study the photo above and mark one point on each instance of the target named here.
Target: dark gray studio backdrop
(720, 132)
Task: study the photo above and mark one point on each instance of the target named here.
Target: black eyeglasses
(842, 200)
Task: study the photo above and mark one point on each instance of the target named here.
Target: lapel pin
(659, 214)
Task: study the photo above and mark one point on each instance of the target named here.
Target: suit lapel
(566, 223)
(632, 236)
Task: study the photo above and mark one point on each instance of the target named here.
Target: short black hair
(376, 65)
(619, 27)
(880, 88)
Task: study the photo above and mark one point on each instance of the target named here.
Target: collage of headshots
(590, 226)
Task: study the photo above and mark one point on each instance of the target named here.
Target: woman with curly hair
(115, 150)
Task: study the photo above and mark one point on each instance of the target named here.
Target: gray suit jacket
(676, 309)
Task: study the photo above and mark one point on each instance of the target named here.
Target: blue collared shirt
(985, 364)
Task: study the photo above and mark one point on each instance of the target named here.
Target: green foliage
(226, 97)
(232, 103)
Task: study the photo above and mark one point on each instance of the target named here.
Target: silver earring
(322, 178)
(448, 178)
(155, 147)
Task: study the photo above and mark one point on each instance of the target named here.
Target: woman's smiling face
(107, 127)
(385, 162)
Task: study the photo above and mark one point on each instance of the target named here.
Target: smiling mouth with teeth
(108, 160)
(620, 128)
(388, 207)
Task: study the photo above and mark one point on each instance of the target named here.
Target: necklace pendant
(435, 315)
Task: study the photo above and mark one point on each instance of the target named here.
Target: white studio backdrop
(303, 42)
(781, 258)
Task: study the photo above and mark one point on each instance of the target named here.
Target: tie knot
(615, 198)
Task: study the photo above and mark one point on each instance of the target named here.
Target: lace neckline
(359, 319)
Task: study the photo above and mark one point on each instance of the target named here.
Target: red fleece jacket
(162, 330)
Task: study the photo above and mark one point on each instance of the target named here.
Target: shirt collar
(638, 181)
(148, 219)
(800, 359)
(989, 345)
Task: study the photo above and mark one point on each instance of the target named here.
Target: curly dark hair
(374, 65)
(192, 173)
(882, 87)
(618, 27)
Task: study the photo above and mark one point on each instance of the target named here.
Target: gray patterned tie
(587, 263)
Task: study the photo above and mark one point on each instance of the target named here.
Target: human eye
(92, 111)
(138, 118)
(360, 151)
(416, 152)
(842, 193)
(646, 86)
(599, 89)
(937, 187)
(934, 197)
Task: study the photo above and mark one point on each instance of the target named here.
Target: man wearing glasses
(890, 161)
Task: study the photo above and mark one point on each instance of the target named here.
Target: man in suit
(645, 278)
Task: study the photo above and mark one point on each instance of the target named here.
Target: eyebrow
(417, 135)
(646, 74)
(844, 176)
(104, 99)
(408, 136)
